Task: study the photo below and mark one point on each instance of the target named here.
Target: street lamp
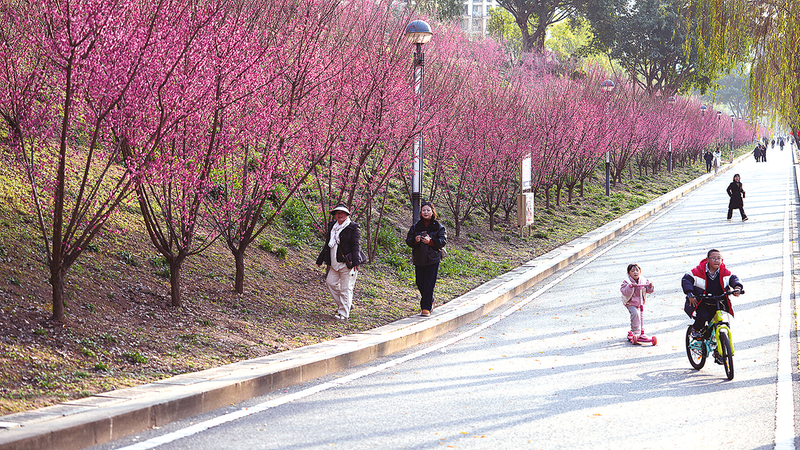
(608, 86)
(719, 127)
(671, 102)
(732, 117)
(703, 109)
(418, 33)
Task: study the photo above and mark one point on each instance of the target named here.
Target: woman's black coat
(736, 193)
(423, 254)
(349, 242)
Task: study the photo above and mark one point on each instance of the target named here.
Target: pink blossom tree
(66, 68)
(374, 121)
(501, 145)
(216, 61)
(284, 135)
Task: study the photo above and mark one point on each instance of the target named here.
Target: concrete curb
(111, 415)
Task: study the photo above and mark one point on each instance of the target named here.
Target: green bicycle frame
(719, 323)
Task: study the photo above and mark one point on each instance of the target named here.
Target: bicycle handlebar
(718, 297)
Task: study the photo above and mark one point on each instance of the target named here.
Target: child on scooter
(634, 289)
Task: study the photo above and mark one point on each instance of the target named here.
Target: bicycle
(716, 337)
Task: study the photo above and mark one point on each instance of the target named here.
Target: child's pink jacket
(633, 293)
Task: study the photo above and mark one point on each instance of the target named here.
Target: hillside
(120, 331)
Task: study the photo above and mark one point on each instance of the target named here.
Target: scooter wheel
(655, 341)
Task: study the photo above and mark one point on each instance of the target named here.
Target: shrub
(161, 265)
(265, 245)
(300, 223)
(388, 239)
(128, 258)
(135, 357)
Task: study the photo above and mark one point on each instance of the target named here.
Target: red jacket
(695, 282)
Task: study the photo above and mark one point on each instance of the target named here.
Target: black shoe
(744, 220)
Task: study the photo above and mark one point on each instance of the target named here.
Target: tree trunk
(57, 282)
(238, 285)
(528, 40)
(558, 194)
(175, 282)
(547, 198)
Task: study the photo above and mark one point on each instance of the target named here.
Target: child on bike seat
(710, 277)
(633, 290)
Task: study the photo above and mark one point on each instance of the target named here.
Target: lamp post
(608, 86)
(418, 33)
(671, 102)
(719, 127)
(703, 109)
(732, 117)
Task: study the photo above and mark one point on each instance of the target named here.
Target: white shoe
(338, 316)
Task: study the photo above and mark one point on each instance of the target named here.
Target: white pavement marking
(784, 409)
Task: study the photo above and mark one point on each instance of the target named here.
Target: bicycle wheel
(727, 354)
(695, 350)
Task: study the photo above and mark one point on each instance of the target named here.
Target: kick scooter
(637, 340)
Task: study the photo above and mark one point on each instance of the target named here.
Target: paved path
(552, 368)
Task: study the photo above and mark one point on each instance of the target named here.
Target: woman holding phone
(426, 238)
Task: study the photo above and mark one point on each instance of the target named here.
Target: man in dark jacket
(709, 160)
(710, 277)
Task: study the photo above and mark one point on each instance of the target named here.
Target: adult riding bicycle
(715, 338)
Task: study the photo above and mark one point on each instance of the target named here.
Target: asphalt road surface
(553, 369)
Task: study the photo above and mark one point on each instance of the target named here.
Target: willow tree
(764, 34)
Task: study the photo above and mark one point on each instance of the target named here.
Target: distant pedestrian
(343, 239)
(634, 289)
(764, 153)
(757, 152)
(717, 160)
(736, 193)
(709, 160)
(426, 238)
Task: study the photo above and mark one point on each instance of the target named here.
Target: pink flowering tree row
(565, 125)
(213, 115)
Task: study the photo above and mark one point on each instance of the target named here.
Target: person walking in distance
(709, 160)
(426, 238)
(736, 193)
